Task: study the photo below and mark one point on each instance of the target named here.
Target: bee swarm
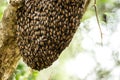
(45, 28)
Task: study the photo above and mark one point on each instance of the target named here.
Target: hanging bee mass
(45, 28)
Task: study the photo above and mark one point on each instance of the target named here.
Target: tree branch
(9, 52)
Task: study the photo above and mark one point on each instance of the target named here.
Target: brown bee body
(45, 28)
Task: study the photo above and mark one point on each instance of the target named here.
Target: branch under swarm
(9, 52)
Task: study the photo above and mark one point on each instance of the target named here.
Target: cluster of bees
(45, 28)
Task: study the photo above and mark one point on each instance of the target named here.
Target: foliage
(2, 7)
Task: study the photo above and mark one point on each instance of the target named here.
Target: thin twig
(96, 13)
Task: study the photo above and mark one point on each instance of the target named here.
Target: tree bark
(9, 52)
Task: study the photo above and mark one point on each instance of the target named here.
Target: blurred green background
(84, 58)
